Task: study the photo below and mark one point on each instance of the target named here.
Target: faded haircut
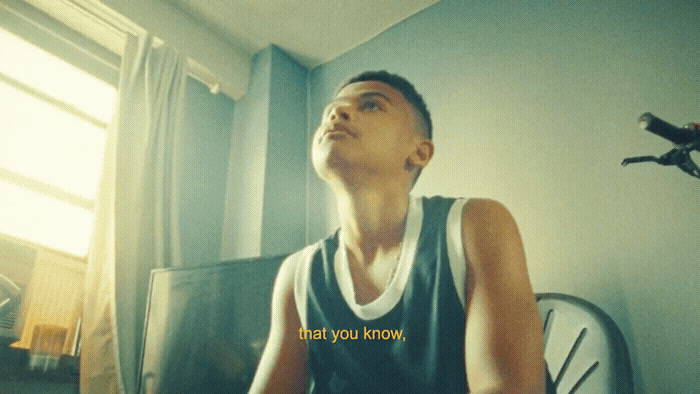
(402, 85)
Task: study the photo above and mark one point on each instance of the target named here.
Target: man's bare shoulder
(489, 229)
(291, 266)
(290, 263)
(486, 210)
(487, 217)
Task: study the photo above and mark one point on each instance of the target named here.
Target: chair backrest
(584, 349)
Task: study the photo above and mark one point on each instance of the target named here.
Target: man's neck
(372, 220)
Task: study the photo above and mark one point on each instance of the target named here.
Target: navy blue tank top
(417, 347)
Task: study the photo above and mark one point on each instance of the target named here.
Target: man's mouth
(337, 129)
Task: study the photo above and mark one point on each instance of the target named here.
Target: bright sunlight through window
(52, 134)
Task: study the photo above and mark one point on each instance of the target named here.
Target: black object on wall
(685, 140)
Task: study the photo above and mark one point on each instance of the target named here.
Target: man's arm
(503, 335)
(283, 365)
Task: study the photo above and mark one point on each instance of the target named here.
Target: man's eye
(370, 105)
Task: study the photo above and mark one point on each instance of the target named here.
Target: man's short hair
(403, 86)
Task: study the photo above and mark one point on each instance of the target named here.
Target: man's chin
(331, 168)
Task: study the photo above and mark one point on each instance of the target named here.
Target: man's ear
(422, 154)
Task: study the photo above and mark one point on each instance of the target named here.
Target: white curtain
(137, 224)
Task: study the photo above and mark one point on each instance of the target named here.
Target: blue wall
(284, 213)
(242, 224)
(207, 135)
(535, 104)
(265, 202)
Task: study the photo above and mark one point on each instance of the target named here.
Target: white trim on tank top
(392, 295)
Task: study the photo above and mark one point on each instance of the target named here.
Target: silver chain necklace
(396, 266)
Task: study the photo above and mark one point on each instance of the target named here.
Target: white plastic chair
(584, 349)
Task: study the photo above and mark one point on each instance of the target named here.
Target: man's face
(369, 128)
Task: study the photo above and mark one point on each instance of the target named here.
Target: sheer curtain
(137, 226)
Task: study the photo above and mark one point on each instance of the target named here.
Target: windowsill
(15, 367)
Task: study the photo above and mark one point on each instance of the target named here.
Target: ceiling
(220, 37)
(312, 31)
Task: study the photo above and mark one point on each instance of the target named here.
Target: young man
(411, 294)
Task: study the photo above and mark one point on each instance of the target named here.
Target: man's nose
(339, 112)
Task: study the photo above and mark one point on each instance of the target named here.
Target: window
(53, 120)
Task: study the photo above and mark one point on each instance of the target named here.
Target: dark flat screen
(206, 326)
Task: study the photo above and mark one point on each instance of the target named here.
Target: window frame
(47, 33)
